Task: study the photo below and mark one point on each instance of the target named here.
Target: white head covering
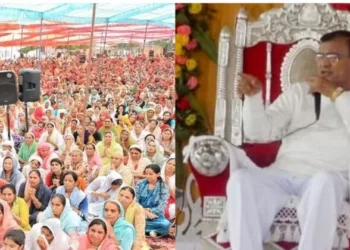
(60, 241)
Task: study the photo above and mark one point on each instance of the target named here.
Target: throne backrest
(279, 49)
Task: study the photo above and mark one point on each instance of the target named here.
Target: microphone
(317, 97)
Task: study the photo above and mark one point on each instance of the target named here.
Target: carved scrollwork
(210, 156)
(298, 63)
(295, 22)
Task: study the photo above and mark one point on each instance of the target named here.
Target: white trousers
(255, 195)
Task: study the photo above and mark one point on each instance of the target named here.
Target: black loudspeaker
(8, 87)
(82, 59)
(29, 85)
(151, 53)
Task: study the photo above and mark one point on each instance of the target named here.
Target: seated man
(313, 160)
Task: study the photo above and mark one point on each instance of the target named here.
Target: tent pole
(40, 44)
(13, 38)
(104, 44)
(144, 40)
(89, 62)
(21, 36)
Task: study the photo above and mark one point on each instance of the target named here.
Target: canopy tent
(70, 24)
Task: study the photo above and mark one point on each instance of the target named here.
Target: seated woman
(78, 136)
(14, 239)
(125, 141)
(113, 213)
(152, 194)
(78, 166)
(93, 159)
(107, 147)
(168, 176)
(134, 213)
(137, 163)
(118, 165)
(167, 141)
(11, 173)
(105, 241)
(67, 147)
(7, 222)
(103, 188)
(154, 154)
(60, 208)
(52, 136)
(27, 149)
(35, 162)
(54, 179)
(47, 235)
(77, 198)
(19, 208)
(46, 153)
(36, 195)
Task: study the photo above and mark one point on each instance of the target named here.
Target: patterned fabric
(155, 199)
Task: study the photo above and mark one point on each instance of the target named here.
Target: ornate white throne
(279, 49)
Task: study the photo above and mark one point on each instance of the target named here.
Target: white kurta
(322, 146)
(312, 163)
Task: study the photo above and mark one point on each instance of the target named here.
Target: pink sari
(49, 157)
(107, 243)
(8, 222)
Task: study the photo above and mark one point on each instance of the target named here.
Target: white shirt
(320, 147)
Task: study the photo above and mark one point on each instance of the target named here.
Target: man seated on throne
(313, 160)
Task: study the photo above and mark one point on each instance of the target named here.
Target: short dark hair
(17, 236)
(345, 34)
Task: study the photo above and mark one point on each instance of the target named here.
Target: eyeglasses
(330, 57)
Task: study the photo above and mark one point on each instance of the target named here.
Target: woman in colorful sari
(138, 133)
(52, 136)
(47, 235)
(36, 195)
(103, 188)
(107, 147)
(98, 236)
(78, 166)
(154, 129)
(60, 208)
(78, 199)
(67, 147)
(123, 123)
(35, 162)
(152, 194)
(113, 213)
(167, 141)
(27, 149)
(78, 136)
(46, 153)
(38, 130)
(54, 178)
(93, 159)
(19, 208)
(11, 173)
(125, 141)
(134, 214)
(153, 153)
(7, 222)
(137, 162)
(168, 176)
(118, 165)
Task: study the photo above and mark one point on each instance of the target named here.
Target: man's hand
(248, 85)
(321, 85)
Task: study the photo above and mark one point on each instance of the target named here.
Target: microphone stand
(8, 122)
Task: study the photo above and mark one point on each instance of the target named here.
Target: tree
(25, 50)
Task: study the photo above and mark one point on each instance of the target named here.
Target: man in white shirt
(313, 160)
